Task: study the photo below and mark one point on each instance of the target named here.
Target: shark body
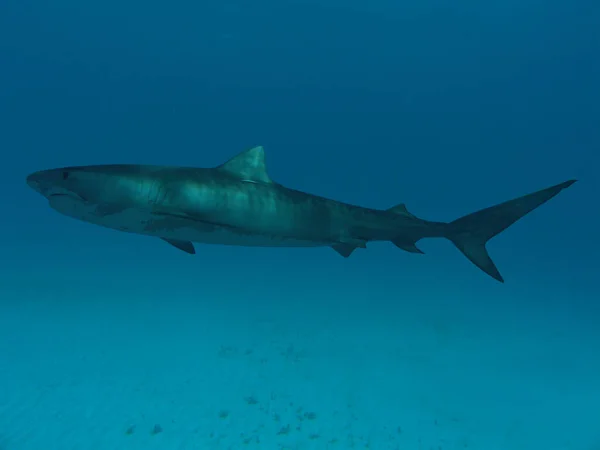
(237, 203)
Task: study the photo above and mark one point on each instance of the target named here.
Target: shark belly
(166, 226)
(223, 236)
(186, 229)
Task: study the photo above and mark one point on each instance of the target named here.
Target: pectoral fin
(347, 245)
(185, 246)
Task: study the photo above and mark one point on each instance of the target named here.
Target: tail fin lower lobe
(471, 233)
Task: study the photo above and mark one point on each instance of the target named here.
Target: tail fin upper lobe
(471, 232)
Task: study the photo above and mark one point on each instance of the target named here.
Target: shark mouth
(67, 194)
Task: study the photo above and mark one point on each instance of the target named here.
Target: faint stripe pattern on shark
(237, 203)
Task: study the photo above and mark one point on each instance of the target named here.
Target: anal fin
(185, 246)
(407, 245)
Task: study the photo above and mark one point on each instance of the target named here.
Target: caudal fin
(470, 233)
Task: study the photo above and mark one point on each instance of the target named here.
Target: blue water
(116, 341)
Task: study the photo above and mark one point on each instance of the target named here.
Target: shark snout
(45, 181)
(34, 181)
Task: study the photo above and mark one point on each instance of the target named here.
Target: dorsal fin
(401, 209)
(248, 165)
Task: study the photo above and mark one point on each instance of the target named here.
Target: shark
(237, 203)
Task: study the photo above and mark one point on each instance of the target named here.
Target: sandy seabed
(92, 371)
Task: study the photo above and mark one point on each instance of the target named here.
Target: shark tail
(471, 233)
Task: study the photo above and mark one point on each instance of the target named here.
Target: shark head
(56, 183)
(69, 191)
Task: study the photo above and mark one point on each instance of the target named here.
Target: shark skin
(237, 203)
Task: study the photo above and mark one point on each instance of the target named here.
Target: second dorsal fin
(401, 210)
(248, 165)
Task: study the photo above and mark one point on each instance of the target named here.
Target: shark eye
(65, 175)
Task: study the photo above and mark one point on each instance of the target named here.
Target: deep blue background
(446, 106)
